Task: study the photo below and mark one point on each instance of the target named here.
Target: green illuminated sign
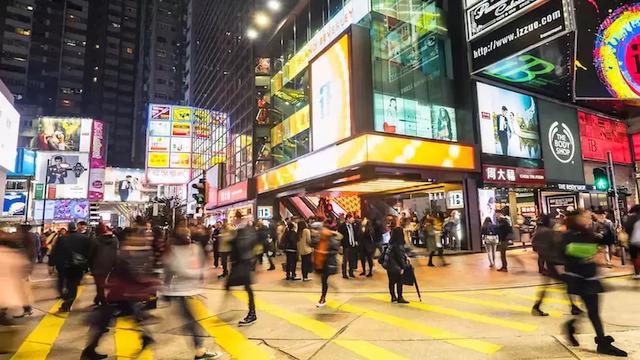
(520, 69)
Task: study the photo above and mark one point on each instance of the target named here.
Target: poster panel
(66, 175)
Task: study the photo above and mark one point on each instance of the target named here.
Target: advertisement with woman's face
(62, 134)
(508, 123)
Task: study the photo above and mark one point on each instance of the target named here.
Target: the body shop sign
(507, 175)
(233, 193)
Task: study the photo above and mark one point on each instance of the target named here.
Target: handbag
(408, 277)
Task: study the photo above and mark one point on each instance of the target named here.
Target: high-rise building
(76, 58)
(222, 78)
(164, 57)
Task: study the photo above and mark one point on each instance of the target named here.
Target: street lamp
(252, 33)
(262, 20)
(274, 5)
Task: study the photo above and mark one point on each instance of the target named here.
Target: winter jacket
(304, 243)
(184, 266)
(290, 239)
(581, 273)
(103, 254)
(74, 244)
(398, 259)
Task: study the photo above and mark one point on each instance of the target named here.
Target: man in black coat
(70, 257)
(350, 233)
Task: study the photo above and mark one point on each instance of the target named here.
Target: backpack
(384, 257)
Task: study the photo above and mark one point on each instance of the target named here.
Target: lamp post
(44, 193)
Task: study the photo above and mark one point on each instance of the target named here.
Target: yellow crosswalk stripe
(127, 340)
(488, 303)
(367, 350)
(39, 342)
(514, 294)
(323, 331)
(516, 325)
(316, 327)
(428, 331)
(230, 339)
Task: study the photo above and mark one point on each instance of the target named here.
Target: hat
(72, 226)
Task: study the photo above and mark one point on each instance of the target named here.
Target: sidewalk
(465, 272)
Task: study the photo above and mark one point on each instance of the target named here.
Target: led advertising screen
(66, 174)
(62, 134)
(330, 93)
(9, 128)
(123, 184)
(607, 49)
(508, 123)
(396, 115)
(169, 137)
(600, 135)
(62, 210)
(15, 203)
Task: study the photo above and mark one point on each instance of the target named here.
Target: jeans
(592, 303)
(216, 253)
(100, 281)
(252, 301)
(71, 279)
(350, 258)
(325, 284)
(292, 263)
(306, 266)
(491, 252)
(395, 285)
(224, 257)
(367, 257)
(101, 319)
(608, 249)
(503, 254)
(191, 322)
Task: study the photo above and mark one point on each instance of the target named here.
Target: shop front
(233, 201)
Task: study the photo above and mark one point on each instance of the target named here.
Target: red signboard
(600, 135)
(507, 175)
(635, 139)
(233, 193)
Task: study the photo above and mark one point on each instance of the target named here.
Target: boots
(606, 347)
(249, 319)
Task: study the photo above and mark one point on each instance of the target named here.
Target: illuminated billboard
(124, 185)
(508, 123)
(10, 125)
(600, 135)
(65, 174)
(62, 210)
(62, 134)
(331, 95)
(607, 49)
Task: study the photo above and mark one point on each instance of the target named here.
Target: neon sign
(520, 69)
(617, 52)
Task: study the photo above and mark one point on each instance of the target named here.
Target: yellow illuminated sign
(181, 129)
(291, 126)
(158, 160)
(181, 161)
(370, 148)
(181, 113)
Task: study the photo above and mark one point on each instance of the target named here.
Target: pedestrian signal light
(601, 180)
(201, 195)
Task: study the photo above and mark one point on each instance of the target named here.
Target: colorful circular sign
(617, 52)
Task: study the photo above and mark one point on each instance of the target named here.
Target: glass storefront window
(412, 76)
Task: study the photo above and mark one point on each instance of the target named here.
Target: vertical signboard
(97, 161)
(169, 139)
(600, 135)
(560, 143)
(9, 127)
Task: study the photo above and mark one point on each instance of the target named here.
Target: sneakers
(394, 300)
(606, 347)
(370, 274)
(537, 312)
(208, 355)
(503, 270)
(307, 279)
(402, 301)
(248, 320)
(636, 277)
(91, 354)
(321, 303)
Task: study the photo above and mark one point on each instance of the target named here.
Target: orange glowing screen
(380, 149)
(330, 93)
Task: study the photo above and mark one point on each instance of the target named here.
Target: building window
(23, 32)
(162, 53)
(129, 50)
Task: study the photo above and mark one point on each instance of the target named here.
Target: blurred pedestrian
(304, 249)
(290, 241)
(184, 268)
(632, 228)
(579, 245)
(397, 263)
(70, 257)
(349, 234)
(505, 237)
(102, 259)
(242, 244)
(367, 246)
(226, 237)
(605, 230)
(265, 245)
(215, 237)
(326, 243)
(14, 268)
(434, 242)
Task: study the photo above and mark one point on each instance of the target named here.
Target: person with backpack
(70, 257)
(397, 262)
(326, 243)
(579, 245)
(102, 259)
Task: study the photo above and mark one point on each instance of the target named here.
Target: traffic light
(201, 195)
(601, 180)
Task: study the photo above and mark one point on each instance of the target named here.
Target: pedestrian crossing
(468, 322)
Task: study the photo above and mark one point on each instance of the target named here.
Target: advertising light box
(15, 203)
(123, 184)
(396, 115)
(508, 123)
(62, 210)
(600, 135)
(66, 174)
(9, 127)
(331, 95)
(62, 134)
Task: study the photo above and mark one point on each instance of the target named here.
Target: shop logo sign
(562, 142)
(488, 14)
(521, 69)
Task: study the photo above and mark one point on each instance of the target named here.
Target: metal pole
(616, 205)
(26, 203)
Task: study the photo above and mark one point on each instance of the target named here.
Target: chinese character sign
(506, 175)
